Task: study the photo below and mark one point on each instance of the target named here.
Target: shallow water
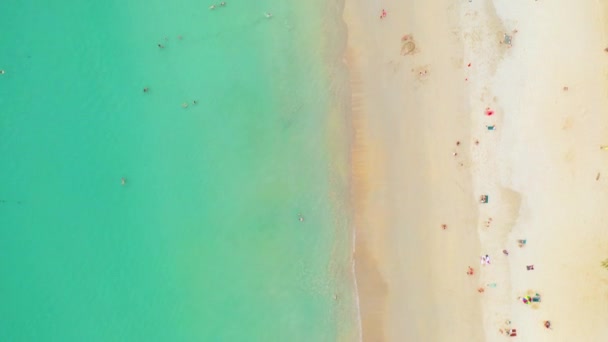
(203, 242)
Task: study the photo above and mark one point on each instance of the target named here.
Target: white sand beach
(547, 94)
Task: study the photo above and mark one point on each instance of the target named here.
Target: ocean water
(203, 242)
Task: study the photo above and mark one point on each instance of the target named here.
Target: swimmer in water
(161, 46)
(146, 89)
(194, 102)
(123, 181)
(185, 105)
(223, 3)
(268, 15)
(1, 72)
(212, 7)
(300, 218)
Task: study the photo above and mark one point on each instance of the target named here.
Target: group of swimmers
(222, 4)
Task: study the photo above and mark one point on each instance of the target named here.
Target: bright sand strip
(542, 165)
(539, 168)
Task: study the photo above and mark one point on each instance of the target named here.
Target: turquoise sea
(204, 241)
